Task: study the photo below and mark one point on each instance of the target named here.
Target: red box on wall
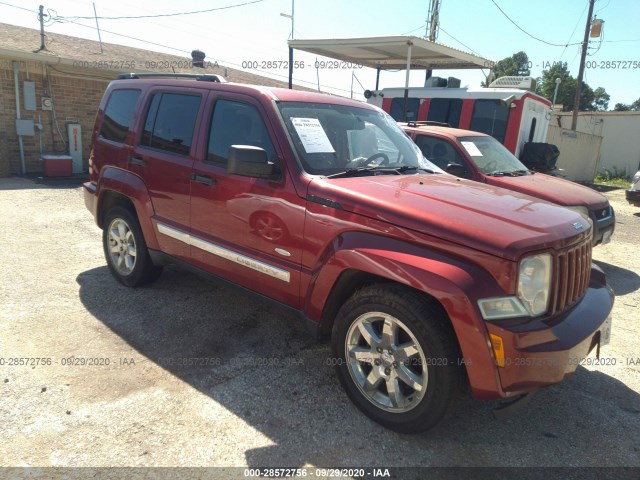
(57, 165)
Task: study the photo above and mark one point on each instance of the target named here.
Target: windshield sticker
(471, 149)
(313, 137)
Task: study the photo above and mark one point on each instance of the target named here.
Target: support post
(406, 82)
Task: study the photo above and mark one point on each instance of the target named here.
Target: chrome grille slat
(572, 273)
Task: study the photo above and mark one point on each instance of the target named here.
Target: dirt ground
(262, 392)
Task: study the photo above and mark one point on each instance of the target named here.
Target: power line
(602, 8)
(164, 14)
(527, 33)
(411, 31)
(455, 39)
(177, 49)
(574, 29)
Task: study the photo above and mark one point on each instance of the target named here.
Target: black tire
(122, 232)
(438, 355)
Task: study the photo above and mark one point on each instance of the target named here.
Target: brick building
(68, 79)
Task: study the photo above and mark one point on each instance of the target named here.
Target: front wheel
(125, 249)
(397, 357)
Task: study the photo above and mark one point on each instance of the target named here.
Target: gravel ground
(266, 396)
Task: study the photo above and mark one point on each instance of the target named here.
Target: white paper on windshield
(313, 137)
(471, 149)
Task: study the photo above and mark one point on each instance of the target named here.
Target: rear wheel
(125, 249)
(397, 357)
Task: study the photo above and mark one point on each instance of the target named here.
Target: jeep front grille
(572, 271)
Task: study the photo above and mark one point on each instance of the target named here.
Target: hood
(497, 221)
(552, 189)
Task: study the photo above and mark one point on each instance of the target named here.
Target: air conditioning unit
(524, 83)
(453, 82)
(435, 82)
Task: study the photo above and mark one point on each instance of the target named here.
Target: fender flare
(131, 186)
(454, 282)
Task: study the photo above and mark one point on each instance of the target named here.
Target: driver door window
(441, 153)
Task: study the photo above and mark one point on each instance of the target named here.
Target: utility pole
(95, 14)
(41, 16)
(433, 25)
(585, 44)
(290, 48)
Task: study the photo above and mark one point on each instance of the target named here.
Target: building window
(118, 114)
(445, 110)
(170, 122)
(490, 117)
(397, 109)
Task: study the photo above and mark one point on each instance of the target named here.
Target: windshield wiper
(393, 170)
(512, 173)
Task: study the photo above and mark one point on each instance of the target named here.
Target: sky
(256, 32)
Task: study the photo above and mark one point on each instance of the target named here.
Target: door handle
(137, 161)
(203, 179)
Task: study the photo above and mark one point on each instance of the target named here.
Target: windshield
(331, 139)
(490, 156)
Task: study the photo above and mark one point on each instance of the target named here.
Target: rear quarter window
(118, 114)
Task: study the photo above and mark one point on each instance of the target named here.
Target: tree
(601, 99)
(516, 65)
(590, 99)
(546, 85)
(623, 107)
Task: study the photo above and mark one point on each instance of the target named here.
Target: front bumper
(603, 228)
(633, 196)
(542, 352)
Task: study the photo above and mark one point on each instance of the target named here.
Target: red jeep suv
(424, 281)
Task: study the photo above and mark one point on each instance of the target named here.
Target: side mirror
(455, 169)
(249, 161)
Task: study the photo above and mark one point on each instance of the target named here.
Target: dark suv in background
(425, 282)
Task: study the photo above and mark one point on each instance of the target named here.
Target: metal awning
(392, 52)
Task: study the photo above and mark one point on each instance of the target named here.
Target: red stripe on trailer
(386, 104)
(423, 111)
(513, 125)
(465, 114)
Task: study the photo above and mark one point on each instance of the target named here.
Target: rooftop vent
(525, 83)
(198, 58)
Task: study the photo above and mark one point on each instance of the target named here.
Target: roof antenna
(41, 16)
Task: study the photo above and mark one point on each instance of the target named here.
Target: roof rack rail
(200, 78)
(427, 123)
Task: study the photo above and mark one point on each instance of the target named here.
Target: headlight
(534, 283)
(532, 298)
(636, 178)
(581, 210)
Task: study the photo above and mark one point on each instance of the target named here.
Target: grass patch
(612, 179)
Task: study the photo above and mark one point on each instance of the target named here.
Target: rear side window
(236, 123)
(170, 122)
(446, 110)
(118, 114)
(397, 109)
